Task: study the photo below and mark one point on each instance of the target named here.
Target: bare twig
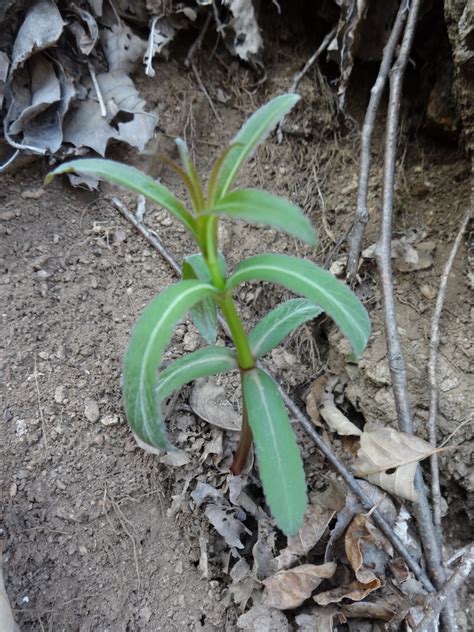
(436, 603)
(150, 235)
(396, 361)
(305, 423)
(40, 407)
(196, 45)
(297, 78)
(361, 215)
(205, 92)
(433, 374)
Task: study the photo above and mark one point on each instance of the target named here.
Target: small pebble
(32, 194)
(110, 420)
(59, 394)
(191, 341)
(91, 410)
(13, 490)
(428, 291)
(7, 215)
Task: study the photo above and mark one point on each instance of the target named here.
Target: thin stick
(40, 408)
(98, 91)
(196, 45)
(396, 360)
(297, 78)
(205, 92)
(433, 375)
(361, 217)
(448, 592)
(151, 236)
(296, 412)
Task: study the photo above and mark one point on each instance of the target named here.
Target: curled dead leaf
(289, 589)
(355, 591)
(315, 523)
(364, 545)
(384, 608)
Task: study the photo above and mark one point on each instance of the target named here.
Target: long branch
(302, 419)
(361, 217)
(396, 360)
(433, 375)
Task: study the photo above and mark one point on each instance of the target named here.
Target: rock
(110, 420)
(59, 394)
(32, 194)
(7, 216)
(91, 409)
(191, 341)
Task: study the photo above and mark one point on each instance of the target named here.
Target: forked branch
(362, 216)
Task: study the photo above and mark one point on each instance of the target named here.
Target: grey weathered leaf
(120, 95)
(263, 619)
(209, 401)
(122, 47)
(247, 42)
(85, 127)
(226, 524)
(41, 28)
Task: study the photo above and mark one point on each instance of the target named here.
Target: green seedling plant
(207, 287)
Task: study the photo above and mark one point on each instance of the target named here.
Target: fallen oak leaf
(289, 589)
(355, 591)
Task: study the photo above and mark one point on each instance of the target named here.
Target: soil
(91, 539)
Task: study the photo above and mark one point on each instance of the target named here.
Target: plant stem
(245, 358)
(245, 441)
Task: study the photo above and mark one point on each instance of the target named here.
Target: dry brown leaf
(384, 608)
(354, 591)
(313, 399)
(385, 449)
(315, 523)
(365, 544)
(289, 589)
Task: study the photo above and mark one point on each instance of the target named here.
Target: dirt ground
(91, 541)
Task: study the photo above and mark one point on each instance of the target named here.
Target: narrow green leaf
(319, 286)
(131, 179)
(280, 322)
(149, 339)
(260, 207)
(204, 314)
(200, 363)
(253, 132)
(279, 460)
(190, 170)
